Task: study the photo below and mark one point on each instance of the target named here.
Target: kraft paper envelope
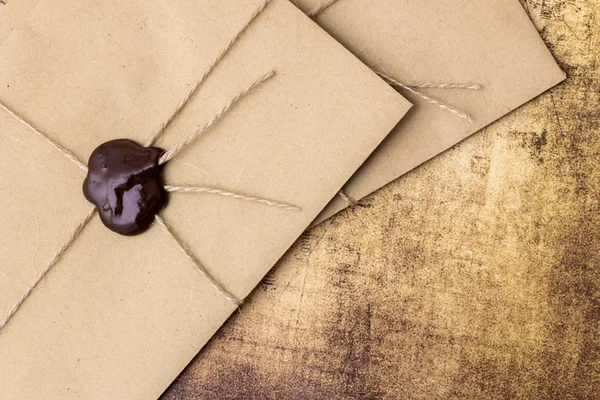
(487, 42)
(119, 317)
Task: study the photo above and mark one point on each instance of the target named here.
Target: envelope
(490, 43)
(119, 317)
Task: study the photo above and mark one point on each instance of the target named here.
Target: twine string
(445, 86)
(65, 152)
(349, 200)
(219, 192)
(431, 100)
(203, 271)
(208, 71)
(169, 155)
(76, 233)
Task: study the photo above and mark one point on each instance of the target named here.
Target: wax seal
(124, 184)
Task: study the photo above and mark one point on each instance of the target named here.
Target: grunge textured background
(475, 276)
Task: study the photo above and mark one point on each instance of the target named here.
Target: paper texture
(12, 14)
(120, 317)
(488, 42)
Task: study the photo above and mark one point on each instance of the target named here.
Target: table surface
(475, 276)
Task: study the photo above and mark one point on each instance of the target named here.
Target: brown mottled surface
(477, 276)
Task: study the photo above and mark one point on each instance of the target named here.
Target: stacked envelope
(210, 134)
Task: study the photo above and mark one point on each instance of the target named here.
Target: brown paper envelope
(488, 42)
(120, 317)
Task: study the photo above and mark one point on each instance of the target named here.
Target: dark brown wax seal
(124, 184)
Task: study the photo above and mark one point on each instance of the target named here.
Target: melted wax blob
(123, 182)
